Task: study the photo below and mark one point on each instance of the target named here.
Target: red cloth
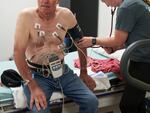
(105, 65)
(77, 63)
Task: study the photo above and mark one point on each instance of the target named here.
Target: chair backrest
(125, 60)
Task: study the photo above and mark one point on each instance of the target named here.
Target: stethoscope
(113, 9)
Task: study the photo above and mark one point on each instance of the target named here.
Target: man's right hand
(37, 96)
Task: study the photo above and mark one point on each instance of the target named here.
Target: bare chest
(46, 33)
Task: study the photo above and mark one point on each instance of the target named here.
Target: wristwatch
(93, 40)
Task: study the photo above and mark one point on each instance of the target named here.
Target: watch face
(93, 41)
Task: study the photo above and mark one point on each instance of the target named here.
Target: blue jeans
(72, 87)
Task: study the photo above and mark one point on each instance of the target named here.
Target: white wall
(104, 23)
(9, 10)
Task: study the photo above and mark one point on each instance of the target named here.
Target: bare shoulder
(65, 11)
(68, 15)
(27, 13)
(23, 26)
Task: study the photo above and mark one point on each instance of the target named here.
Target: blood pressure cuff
(11, 78)
(76, 32)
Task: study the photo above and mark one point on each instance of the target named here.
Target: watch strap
(93, 40)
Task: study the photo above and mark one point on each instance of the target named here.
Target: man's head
(112, 3)
(47, 6)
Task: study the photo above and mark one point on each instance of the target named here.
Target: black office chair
(125, 60)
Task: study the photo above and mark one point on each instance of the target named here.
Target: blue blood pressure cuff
(76, 32)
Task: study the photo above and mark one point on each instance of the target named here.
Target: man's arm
(76, 33)
(83, 69)
(20, 45)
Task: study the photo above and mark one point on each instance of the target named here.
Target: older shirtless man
(39, 52)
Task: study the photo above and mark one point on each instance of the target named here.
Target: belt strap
(44, 73)
(38, 65)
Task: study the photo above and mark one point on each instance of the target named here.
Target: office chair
(125, 61)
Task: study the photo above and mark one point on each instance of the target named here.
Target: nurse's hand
(85, 42)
